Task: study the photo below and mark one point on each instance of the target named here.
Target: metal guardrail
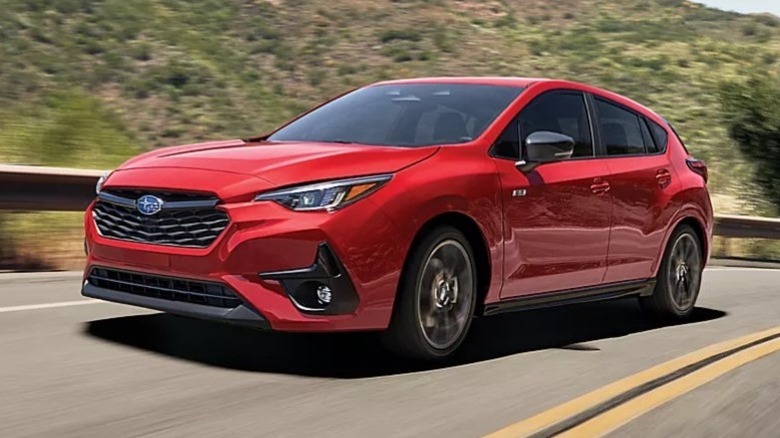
(746, 227)
(32, 188)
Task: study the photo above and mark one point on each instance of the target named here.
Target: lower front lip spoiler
(241, 315)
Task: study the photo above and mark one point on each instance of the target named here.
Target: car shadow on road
(359, 355)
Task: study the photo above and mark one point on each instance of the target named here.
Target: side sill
(572, 296)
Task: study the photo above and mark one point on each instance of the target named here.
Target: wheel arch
(698, 227)
(476, 238)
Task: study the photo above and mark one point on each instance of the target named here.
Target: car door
(641, 178)
(557, 215)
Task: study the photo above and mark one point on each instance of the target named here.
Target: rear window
(403, 115)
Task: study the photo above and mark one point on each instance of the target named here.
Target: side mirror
(545, 147)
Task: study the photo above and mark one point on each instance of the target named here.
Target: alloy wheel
(684, 272)
(445, 292)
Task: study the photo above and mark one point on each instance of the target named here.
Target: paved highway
(70, 367)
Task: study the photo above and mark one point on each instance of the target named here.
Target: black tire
(423, 321)
(679, 277)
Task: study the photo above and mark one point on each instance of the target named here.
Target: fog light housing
(314, 289)
(324, 295)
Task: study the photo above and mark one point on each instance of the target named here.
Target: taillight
(698, 166)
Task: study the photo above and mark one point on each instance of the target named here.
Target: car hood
(284, 163)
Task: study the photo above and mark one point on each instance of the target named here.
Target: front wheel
(437, 297)
(679, 277)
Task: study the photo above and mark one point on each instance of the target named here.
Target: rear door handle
(663, 177)
(599, 187)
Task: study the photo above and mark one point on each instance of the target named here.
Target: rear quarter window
(660, 135)
(677, 134)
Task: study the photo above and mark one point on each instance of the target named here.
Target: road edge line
(48, 305)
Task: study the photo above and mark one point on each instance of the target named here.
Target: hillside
(87, 83)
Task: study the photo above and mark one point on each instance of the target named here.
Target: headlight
(100, 182)
(329, 195)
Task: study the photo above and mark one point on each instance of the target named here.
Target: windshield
(403, 115)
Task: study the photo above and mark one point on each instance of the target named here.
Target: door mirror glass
(547, 146)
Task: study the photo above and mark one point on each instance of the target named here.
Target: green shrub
(70, 127)
(398, 53)
(442, 40)
(749, 29)
(768, 20)
(408, 34)
(611, 25)
(316, 77)
(141, 52)
(752, 113)
(507, 20)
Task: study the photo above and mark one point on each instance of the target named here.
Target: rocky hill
(89, 82)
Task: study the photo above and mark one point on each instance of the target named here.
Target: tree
(752, 114)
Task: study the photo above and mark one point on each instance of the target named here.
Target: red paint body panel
(558, 233)
(285, 163)
(559, 236)
(641, 211)
(264, 237)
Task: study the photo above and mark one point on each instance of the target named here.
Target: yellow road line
(569, 409)
(622, 414)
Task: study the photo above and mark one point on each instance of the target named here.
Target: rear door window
(621, 129)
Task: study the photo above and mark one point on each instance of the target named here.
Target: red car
(409, 207)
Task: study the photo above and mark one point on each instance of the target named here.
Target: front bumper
(241, 315)
(265, 256)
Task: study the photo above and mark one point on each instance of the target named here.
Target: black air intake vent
(166, 288)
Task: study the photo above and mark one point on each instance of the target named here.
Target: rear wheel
(437, 297)
(679, 277)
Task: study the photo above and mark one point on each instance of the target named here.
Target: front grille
(166, 196)
(188, 220)
(166, 288)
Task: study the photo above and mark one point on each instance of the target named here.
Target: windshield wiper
(340, 141)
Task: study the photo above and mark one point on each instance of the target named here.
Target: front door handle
(663, 177)
(599, 187)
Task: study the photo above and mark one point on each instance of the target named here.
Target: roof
(504, 81)
(525, 83)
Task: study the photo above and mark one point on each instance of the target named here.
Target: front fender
(418, 195)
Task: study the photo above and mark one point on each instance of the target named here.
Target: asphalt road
(103, 369)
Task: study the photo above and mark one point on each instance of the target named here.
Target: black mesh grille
(166, 288)
(191, 227)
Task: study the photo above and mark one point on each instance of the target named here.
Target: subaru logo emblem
(149, 204)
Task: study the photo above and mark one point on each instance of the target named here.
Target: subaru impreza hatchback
(409, 207)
